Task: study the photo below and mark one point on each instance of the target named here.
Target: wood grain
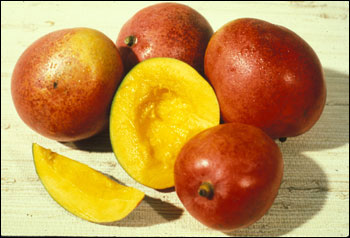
(314, 196)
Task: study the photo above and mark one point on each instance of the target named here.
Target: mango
(168, 29)
(228, 176)
(267, 76)
(160, 104)
(63, 84)
(82, 190)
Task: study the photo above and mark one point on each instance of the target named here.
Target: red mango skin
(57, 90)
(245, 168)
(166, 30)
(267, 76)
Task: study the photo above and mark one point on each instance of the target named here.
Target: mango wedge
(82, 190)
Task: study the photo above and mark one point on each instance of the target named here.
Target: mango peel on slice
(82, 190)
(160, 104)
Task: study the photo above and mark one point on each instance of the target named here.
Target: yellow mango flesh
(82, 190)
(159, 106)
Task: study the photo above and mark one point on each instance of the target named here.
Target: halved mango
(82, 190)
(160, 105)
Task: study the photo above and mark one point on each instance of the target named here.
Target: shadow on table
(302, 195)
(98, 143)
(151, 211)
(304, 188)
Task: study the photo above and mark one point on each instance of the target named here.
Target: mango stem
(130, 40)
(206, 190)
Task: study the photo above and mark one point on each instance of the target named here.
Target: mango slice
(82, 190)
(160, 105)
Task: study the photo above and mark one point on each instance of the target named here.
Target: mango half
(82, 190)
(160, 105)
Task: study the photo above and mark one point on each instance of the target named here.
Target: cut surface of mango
(82, 190)
(159, 106)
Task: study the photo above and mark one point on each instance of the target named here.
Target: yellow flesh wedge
(82, 190)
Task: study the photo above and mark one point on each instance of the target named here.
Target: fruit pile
(162, 90)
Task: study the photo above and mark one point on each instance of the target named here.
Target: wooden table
(314, 196)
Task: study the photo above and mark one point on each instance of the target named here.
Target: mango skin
(63, 83)
(166, 30)
(267, 76)
(244, 167)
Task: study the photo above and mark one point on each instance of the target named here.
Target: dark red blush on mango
(267, 76)
(165, 30)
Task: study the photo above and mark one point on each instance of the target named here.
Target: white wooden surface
(314, 197)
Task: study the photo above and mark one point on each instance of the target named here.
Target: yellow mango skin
(82, 190)
(160, 105)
